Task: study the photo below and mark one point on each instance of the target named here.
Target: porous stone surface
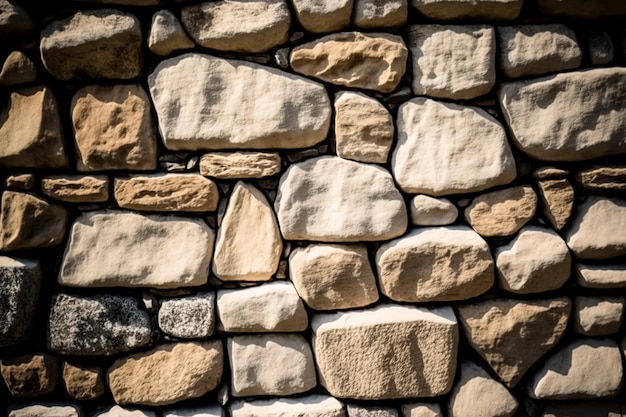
(598, 315)
(30, 375)
(370, 411)
(14, 21)
(374, 14)
(435, 264)
(188, 317)
(314, 405)
(76, 188)
(430, 211)
(83, 382)
(17, 69)
(603, 178)
(45, 410)
(323, 16)
(582, 9)
(352, 350)
(167, 35)
(557, 196)
(463, 165)
(600, 276)
(20, 285)
(238, 165)
(421, 410)
(174, 251)
(468, 9)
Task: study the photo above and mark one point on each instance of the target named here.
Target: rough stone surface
(83, 382)
(274, 364)
(352, 350)
(21, 181)
(373, 14)
(117, 411)
(429, 211)
(323, 16)
(421, 410)
(46, 410)
(76, 188)
(30, 375)
(370, 411)
(295, 111)
(607, 408)
(102, 43)
(17, 69)
(603, 178)
(601, 276)
(234, 165)
(463, 164)
(435, 264)
(203, 411)
(598, 316)
(167, 35)
(105, 139)
(582, 9)
(331, 277)
(188, 317)
(581, 115)
(503, 212)
(468, 9)
(14, 21)
(272, 307)
(310, 406)
(174, 251)
(599, 46)
(316, 201)
(20, 284)
(557, 196)
(353, 59)
(167, 374)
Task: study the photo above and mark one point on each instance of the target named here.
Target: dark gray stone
(188, 317)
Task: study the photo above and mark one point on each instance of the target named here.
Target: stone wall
(286, 208)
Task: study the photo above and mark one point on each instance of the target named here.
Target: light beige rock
(267, 106)
(273, 364)
(581, 116)
(167, 35)
(430, 211)
(233, 165)
(310, 406)
(468, 9)
(238, 25)
(373, 14)
(441, 137)
(598, 316)
(584, 408)
(30, 128)
(271, 307)
(511, 335)
(603, 178)
(317, 199)
(213, 410)
(83, 382)
(363, 128)
(46, 410)
(323, 16)
(582, 9)
(468, 69)
(76, 188)
(421, 410)
(352, 351)
(14, 21)
(502, 212)
(601, 276)
(599, 46)
(530, 50)
(20, 181)
(103, 43)
(333, 277)
(30, 375)
(117, 411)
(125, 249)
(17, 69)
(167, 374)
(435, 264)
(557, 196)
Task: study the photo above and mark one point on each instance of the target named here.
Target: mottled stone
(421, 410)
(76, 188)
(583, 9)
(603, 178)
(14, 21)
(370, 411)
(557, 196)
(21, 181)
(83, 382)
(30, 375)
(599, 46)
(46, 410)
(468, 9)
(20, 284)
(167, 35)
(601, 276)
(188, 317)
(310, 406)
(373, 14)
(17, 69)
(323, 16)
(598, 316)
(235, 165)
(430, 211)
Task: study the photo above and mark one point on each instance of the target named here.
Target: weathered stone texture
(188, 317)
(76, 188)
(468, 9)
(603, 178)
(236, 165)
(599, 315)
(601, 276)
(421, 410)
(370, 411)
(323, 16)
(14, 21)
(557, 196)
(83, 382)
(30, 375)
(166, 34)
(117, 411)
(213, 410)
(47, 410)
(17, 69)
(20, 181)
(429, 211)
(20, 285)
(310, 406)
(374, 14)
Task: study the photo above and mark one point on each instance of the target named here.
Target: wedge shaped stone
(601, 276)
(468, 9)
(83, 382)
(557, 195)
(17, 69)
(323, 16)
(167, 35)
(312, 406)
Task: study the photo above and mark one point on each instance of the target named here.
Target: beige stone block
(599, 315)
(17, 69)
(323, 16)
(374, 14)
(83, 382)
(311, 405)
(236, 165)
(76, 188)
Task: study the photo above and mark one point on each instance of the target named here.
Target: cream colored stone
(46, 410)
(603, 178)
(557, 196)
(310, 406)
(17, 69)
(117, 411)
(601, 276)
(167, 35)
(83, 382)
(76, 188)
(583, 9)
(373, 14)
(421, 410)
(323, 16)
(468, 9)
(598, 316)
(373, 61)
(234, 165)
(429, 211)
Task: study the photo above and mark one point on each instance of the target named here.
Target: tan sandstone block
(30, 375)
(76, 188)
(83, 382)
(236, 165)
(17, 69)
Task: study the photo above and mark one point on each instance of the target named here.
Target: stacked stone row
(347, 208)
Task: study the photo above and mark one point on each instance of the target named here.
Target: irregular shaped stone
(352, 351)
(20, 285)
(254, 359)
(312, 406)
(603, 178)
(511, 335)
(17, 69)
(610, 408)
(353, 59)
(96, 325)
(167, 374)
(167, 35)
(261, 25)
(316, 200)
(586, 368)
(142, 251)
(468, 9)
(83, 382)
(323, 16)
(441, 137)
(117, 411)
(29, 222)
(581, 115)
(14, 21)
(502, 212)
(429, 211)
(421, 410)
(76, 188)
(529, 50)
(581, 9)
(204, 411)
(103, 43)
(370, 411)
(363, 128)
(372, 14)
(106, 140)
(233, 165)
(600, 276)
(21, 181)
(295, 111)
(476, 394)
(598, 316)
(435, 264)
(30, 375)
(45, 410)
(557, 196)
(333, 277)
(598, 230)
(188, 317)
(599, 46)
(30, 128)
(272, 307)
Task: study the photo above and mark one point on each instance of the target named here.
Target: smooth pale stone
(200, 98)
(167, 35)
(370, 411)
(598, 316)
(323, 16)
(374, 14)
(529, 50)
(17, 69)
(14, 21)
(20, 285)
(238, 25)
(30, 375)
(248, 244)
(430, 211)
(435, 264)
(503, 212)
(76, 188)
(29, 222)
(271, 307)
(468, 9)
(437, 152)
(117, 411)
(310, 406)
(271, 364)
(572, 116)
(585, 368)
(167, 374)
(476, 394)
(469, 67)
(188, 317)
(83, 382)
(373, 61)
(583, 9)
(141, 251)
(537, 260)
(421, 410)
(363, 128)
(203, 411)
(603, 178)
(46, 410)
(21, 181)
(601, 276)
(30, 128)
(599, 46)
(333, 277)
(233, 165)
(102, 43)
(352, 350)
(318, 199)
(598, 230)
(511, 335)
(557, 196)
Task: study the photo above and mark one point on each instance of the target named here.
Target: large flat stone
(55, 409)
(468, 9)
(236, 165)
(310, 406)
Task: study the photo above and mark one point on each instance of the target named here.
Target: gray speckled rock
(323, 16)
(373, 14)
(370, 411)
(188, 317)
